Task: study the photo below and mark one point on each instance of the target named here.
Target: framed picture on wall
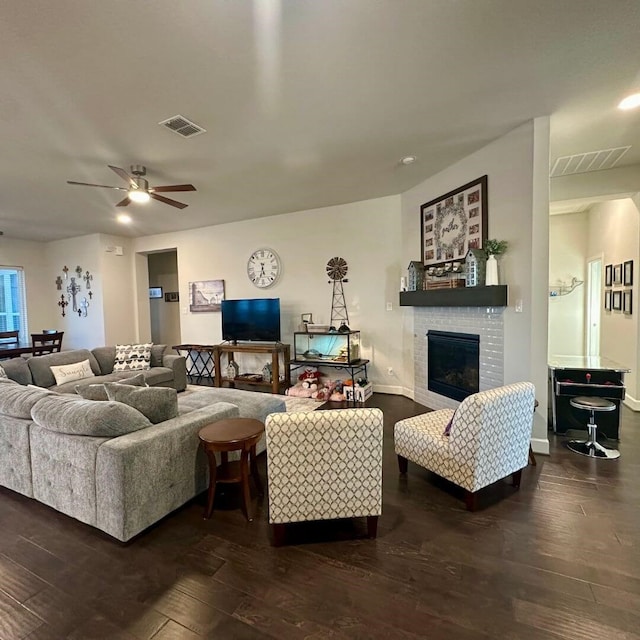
(455, 222)
(627, 302)
(206, 295)
(616, 300)
(617, 274)
(627, 273)
(171, 296)
(155, 292)
(607, 300)
(608, 275)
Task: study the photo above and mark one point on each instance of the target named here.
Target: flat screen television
(251, 319)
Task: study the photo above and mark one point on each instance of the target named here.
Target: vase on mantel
(492, 271)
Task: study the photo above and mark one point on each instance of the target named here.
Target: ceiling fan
(139, 189)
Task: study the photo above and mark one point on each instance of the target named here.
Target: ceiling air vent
(182, 126)
(590, 161)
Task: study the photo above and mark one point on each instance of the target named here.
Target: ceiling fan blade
(104, 186)
(175, 187)
(173, 203)
(124, 203)
(123, 174)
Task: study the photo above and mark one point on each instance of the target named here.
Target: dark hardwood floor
(560, 558)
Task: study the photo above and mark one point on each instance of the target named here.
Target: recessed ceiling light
(630, 102)
(408, 160)
(123, 218)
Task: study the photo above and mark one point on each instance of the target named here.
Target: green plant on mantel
(495, 247)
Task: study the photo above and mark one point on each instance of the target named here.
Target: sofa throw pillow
(133, 357)
(70, 372)
(98, 392)
(156, 403)
(3, 373)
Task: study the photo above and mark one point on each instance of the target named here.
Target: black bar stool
(591, 447)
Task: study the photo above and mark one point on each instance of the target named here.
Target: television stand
(276, 385)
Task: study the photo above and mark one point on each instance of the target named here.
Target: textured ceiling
(306, 103)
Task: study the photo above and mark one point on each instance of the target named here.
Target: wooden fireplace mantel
(495, 296)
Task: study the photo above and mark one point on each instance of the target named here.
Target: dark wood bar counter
(571, 376)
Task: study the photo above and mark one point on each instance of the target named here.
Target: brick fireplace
(485, 322)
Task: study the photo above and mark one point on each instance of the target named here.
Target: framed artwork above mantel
(453, 223)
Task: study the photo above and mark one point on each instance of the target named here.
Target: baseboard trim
(387, 388)
(631, 402)
(540, 445)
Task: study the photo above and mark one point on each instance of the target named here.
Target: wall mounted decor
(79, 271)
(616, 300)
(617, 274)
(73, 290)
(607, 300)
(155, 292)
(59, 283)
(171, 296)
(87, 277)
(65, 271)
(608, 275)
(84, 307)
(454, 223)
(627, 302)
(627, 273)
(62, 303)
(206, 295)
(90, 295)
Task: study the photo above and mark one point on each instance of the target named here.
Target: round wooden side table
(232, 434)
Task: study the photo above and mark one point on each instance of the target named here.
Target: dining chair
(10, 338)
(43, 343)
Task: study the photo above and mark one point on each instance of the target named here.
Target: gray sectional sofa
(103, 462)
(167, 370)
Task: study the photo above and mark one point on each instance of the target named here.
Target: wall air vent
(590, 161)
(183, 127)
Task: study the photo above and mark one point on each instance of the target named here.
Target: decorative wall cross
(84, 305)
(87, 277)
(65, 270)
(90, 295)
(79, 271)
(59, 283)
(62, 303)
(73, 289)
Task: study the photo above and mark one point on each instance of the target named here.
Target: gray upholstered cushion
(41, 365)
(77, 416)
(105, 357)
(98, 392)
(156, 403)
(3, 373)
(15, 455)
(157, 353)
(17, 400)
(17, 369)
(158, 376)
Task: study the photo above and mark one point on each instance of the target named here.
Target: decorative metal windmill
(337, 270)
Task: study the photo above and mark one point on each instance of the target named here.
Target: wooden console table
(275, 350)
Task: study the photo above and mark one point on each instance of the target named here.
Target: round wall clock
(263, 267)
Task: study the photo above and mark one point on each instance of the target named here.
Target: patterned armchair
(323, 465)
(489, 439)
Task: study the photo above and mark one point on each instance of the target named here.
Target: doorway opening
(164, 310)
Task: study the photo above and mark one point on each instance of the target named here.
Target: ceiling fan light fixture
(630, 102)
(124, 218)
(136, 195)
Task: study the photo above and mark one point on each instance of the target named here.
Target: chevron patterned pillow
(133, 357)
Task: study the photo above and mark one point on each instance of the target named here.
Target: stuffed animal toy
(337, 395)
(324, 392)
(298, 391)
(310, 375)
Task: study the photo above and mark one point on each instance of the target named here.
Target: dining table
(12, 351)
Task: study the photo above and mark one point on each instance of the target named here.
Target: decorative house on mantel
(475, 267)
(416, 276)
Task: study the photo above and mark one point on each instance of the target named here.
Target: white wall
(614, 229)
(39, 281)
(366, 234)
(517, 166)
(85, 332)
(568, 246)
